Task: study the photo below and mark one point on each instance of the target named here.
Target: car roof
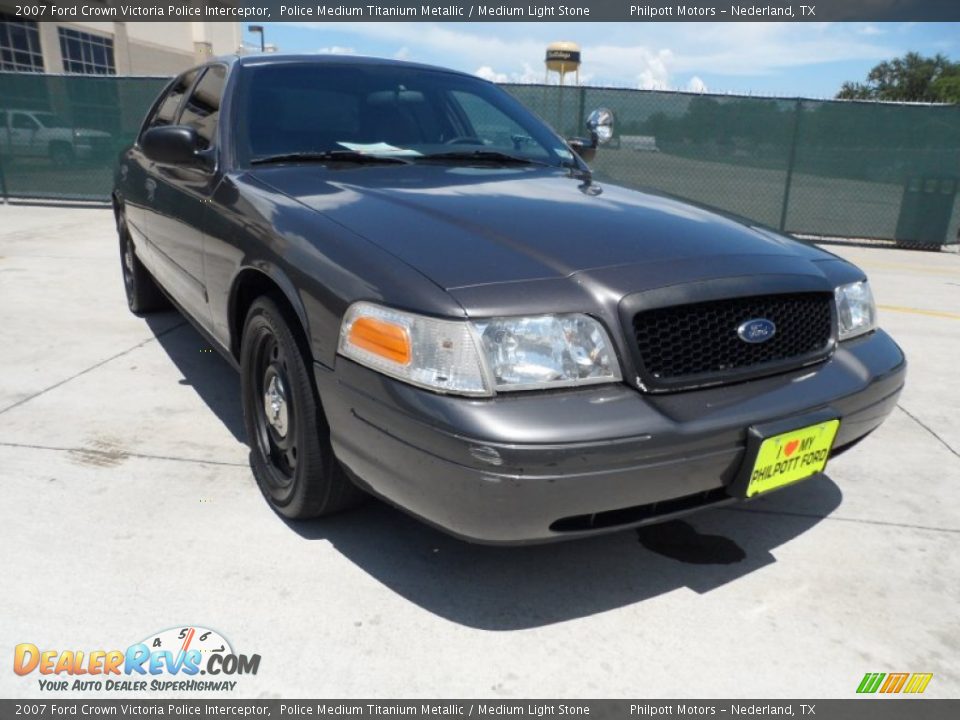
(320, 59)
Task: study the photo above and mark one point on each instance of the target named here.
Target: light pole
(258, 29)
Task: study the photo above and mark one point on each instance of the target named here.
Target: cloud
(517, 56)
(649, 56)
(696, 85)
(337, 50)
(527, 76)
(488, 73)
(763, 48)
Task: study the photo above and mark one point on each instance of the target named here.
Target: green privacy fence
(842, 169)
(855, 170)
(60, 134)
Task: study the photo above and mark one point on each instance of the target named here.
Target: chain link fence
(60, 134)
(833, 169)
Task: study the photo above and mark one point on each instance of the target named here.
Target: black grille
(698, 343)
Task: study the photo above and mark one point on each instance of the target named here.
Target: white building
(110, 48)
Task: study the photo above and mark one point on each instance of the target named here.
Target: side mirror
(600, 125)
(172, 145)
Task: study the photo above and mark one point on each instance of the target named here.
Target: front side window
(166, 110)
(19, 45)
(23, 122)
(202, 109)
(383, 109)
(86, 53)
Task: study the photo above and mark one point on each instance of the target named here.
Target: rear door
(181, 193)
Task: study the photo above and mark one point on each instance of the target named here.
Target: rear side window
(202, 110)
(167, 108)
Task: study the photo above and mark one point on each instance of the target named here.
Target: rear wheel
(290, 450)
(143, 295)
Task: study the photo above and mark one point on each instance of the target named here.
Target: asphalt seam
(120, 454)
(859, 521)
(92, 367)
(930, 430)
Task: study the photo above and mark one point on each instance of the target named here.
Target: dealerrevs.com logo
(167, 661)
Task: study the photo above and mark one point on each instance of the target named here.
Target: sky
(781, 59)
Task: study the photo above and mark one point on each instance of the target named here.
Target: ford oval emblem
(757, 330)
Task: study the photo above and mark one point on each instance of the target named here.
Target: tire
(143, 294)
(290, 450)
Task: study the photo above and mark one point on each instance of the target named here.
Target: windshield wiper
(484, 156)
(347, 156)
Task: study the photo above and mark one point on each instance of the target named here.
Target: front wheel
(290, 450)
(143, 295)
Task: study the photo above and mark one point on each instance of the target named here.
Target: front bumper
(533, 467)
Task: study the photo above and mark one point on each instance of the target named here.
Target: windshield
(384, 110)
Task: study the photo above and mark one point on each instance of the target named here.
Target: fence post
(3, 183)
(580, 113)
(791, 159)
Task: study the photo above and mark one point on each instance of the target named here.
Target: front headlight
(856, 311)
(481, 357)
(545, 351)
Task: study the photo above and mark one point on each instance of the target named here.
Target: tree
(947, 88)
(912, 78)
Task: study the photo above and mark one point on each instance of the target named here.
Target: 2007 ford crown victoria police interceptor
(429, 298)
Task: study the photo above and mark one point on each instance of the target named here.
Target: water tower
(563, 57)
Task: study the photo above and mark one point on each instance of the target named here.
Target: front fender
(276, 276)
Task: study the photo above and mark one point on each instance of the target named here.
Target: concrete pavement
(128, 507)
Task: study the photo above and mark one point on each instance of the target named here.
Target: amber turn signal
(389, 341)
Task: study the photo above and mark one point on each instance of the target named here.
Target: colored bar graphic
(918, 682)
(914, 683)
(870, 682)
(894, 683)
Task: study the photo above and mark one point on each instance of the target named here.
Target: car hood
(471, 226)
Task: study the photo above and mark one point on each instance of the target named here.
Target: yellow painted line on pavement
(920, 311)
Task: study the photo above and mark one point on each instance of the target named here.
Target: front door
(181, 192)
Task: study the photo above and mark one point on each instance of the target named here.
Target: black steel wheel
(289, 438)
(143, 295)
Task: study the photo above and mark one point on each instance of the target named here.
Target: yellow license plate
(792, 456)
